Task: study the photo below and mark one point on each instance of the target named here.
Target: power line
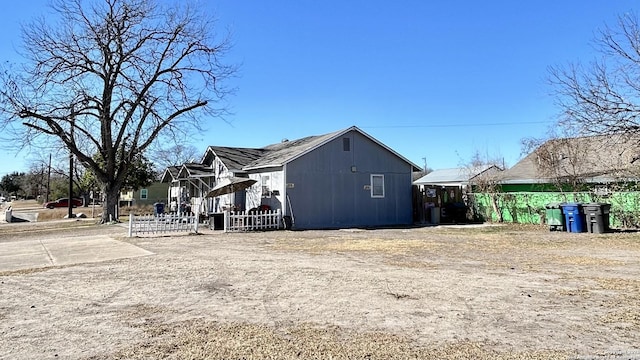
(454, 125)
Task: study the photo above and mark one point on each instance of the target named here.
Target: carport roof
(453, 176)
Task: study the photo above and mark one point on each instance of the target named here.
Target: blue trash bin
(574, 217)
(158, 208)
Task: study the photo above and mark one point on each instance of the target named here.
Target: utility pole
(72, 121)
(46, 200)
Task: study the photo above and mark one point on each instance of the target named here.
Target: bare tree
(603, 98)
(111, 77)
(564, 161)
(483, 173)
(174, 156)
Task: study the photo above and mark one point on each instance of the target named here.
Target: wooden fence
(251, 221)
(162, 223)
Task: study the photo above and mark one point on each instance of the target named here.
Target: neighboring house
(583, 169)
(155, 192)
(227, 162)
(565, 164)
(341, 179)
(445, 189)
(174, 191)
(188, 184)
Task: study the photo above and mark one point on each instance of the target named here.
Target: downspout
(285, 207)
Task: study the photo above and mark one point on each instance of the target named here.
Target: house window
(346, 144)
(377, 186)
(265, 180)
(144, 193)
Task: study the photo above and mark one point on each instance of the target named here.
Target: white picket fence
(251, 221)
(162, 223)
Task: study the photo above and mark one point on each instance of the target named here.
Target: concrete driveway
(39, 253)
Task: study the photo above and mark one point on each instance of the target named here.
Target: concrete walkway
(29, 254)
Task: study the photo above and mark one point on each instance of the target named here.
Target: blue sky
(434, 80)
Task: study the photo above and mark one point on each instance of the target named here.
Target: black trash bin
(216, 221)
(287, 222)
(597, 217)
(454, 213)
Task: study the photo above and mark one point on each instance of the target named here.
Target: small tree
(111, 77)
(34, 183)
(11, 183)
(564, 162)
(484, 176)
(174, 156)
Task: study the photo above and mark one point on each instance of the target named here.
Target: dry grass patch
(47, 227)
(585, 261)
(582, 293)
(199, 339)
(627, 285)
(626, 318)
(411, 264)
(351, 244)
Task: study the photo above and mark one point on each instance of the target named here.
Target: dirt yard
(439, 292)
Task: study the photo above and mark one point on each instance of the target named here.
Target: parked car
(63, 203)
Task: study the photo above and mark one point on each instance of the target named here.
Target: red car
(62, 203)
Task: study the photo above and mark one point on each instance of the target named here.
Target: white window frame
(373, 188)
(265, 182)
(144, 194)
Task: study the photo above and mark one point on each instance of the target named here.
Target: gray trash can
(597, 217)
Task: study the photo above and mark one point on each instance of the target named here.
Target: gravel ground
(437, 292)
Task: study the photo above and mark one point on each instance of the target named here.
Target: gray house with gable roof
(337, 180)
(342, 179)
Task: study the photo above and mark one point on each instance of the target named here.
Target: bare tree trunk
(111, 200)
(496, 207)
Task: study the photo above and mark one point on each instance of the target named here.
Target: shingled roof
(276, 155)
(194, 170)
(285, 151)
(170, 174)
(592, 159)
(234, 158)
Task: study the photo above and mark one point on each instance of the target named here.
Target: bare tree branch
(603, 98)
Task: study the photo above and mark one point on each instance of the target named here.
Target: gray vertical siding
(327, 194)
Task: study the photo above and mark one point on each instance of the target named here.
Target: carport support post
(226, 220)
(279, 212)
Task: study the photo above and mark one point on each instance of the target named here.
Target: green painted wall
(529, 207)
(157, 191)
